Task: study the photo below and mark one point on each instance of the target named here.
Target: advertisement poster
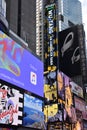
(76, 89)
(55, 126)
(32, 114)
(50, 111)
(61, 87)
(80, 104)
(50, 87)
(51, 38)
(19, 66)
(69, 51)
(68, 103)
(10, 104)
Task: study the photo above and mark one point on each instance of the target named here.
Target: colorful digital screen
(50, 87)
(11, 104)
(32, 114)
(50, 112)
(80, 104)
(61, 86)
(20, 67)
(51, 38)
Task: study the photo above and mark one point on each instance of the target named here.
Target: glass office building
(70, 12)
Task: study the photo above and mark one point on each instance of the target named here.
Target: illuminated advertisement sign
(50, 111)
(51, 49)
(80, 104)
(53, 112)
(69, 51)
(33, 115)
(50, 87)
(63, 82)
(55, 126)
(61, 87)
(11, 104)
(19, 67)
(76, 89)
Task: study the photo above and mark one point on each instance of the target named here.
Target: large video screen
(33, 115)
(69, 52)
(51, 113)
(50, 87)
(11, 104)
(20, 67)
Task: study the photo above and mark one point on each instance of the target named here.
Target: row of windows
(3, 7)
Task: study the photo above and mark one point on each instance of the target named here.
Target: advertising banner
(61, 86)
(80, 104)
(50, 87)
(69, 51)
(76, 89)
(33, 115)
(19, 66)
(11, 104)
(51, 38)
(50, 111)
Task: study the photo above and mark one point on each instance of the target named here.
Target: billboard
(19, 67)
(76, 89)
(50, 87)
(50, 112)
(69, 51)
(11, 104)
(55, 126)
(80, 104)
(51, 38)
(61, 86)
(32, 114)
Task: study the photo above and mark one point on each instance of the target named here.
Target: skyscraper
(70, 12)
(26, 20)
(21, 16)
(3, 21)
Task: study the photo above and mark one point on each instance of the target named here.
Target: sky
(84, 14)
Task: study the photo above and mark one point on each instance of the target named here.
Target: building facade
(3, 21)
(21, 17)
(26, 20)
(71, 12)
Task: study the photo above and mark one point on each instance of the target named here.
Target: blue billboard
(19, 66)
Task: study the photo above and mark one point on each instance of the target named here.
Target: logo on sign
(33, 78)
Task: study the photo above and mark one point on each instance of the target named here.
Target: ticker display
(51, 40)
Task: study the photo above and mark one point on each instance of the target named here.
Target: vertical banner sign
(51, 41)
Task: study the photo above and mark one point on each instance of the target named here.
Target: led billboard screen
(50, 111)
(33, 115)
(50, 38)
(11, 104)
(76, 89)
(61, 87)
(69, 52)
(50, 87)
(19, 67)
